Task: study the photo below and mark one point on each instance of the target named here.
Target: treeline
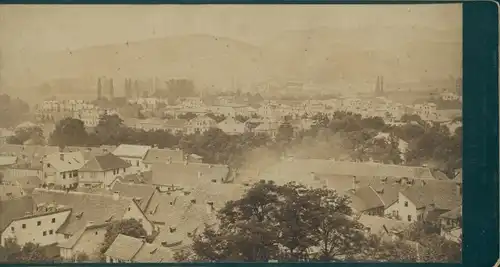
(415, 142)
(13, 111)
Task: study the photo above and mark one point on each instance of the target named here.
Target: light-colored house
(200, 124)
(133, 154)
(85, 228)
(268, 127)
(38, 224)
(426, 200)
(127, 249)
(62, 169)
(232, 127)
(175, 126)
(102, 170)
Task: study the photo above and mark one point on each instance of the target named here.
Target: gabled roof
(137, 178)
(104, 162)
(366, 198)
(133, 151)
(14, 208)
(297, 169)
(124, 247)
(157, 155)
(137, 250)
(153, 253)
(444, 195)
(90, 152)
(186, 175)
(28, 183)
(142, 193)
(455, 213)
(69, 162)
(95, 208)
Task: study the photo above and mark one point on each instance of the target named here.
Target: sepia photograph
(230, 133)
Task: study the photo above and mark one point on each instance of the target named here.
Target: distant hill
(323, 55)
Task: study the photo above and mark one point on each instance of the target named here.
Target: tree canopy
(285, 223)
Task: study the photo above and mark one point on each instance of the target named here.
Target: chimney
(61, 156)
(200, 174)
(313, 176)
(186, 161)
(169, 160)
(354, 183)
(459, 188)
(116, 195)
(210, 207)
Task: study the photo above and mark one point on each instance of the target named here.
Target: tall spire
(381, 84)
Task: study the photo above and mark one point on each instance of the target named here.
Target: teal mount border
(480, 119)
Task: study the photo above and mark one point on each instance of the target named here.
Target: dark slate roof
(104, 163)
(186, 175)
(137, 178)
(365, 198)
(14, 208)
(86, 208)
(124, 247)
(156, 155)
(444, 195)
(141, 192)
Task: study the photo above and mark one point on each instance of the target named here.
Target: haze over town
(131, 134)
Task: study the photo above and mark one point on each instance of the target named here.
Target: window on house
(24, 226)
(66, 236)
(48, 165)
(64, 175)
(123, 169)
(409, 218)
(406, 203)
(53, 220)
(12, 228)
(39, 223)
(128, 208)
(51, 232)
(44, 233)
(137, 163)
(75, 174)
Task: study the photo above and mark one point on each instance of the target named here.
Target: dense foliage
(415, 142)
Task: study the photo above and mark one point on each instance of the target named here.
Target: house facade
(62, 169)
(39, 228)
(134, 155)
(102, 170)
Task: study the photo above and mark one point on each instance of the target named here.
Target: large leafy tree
(34, 134)
(28, 253)
(69, 132)
(286, 223)
(109, 129)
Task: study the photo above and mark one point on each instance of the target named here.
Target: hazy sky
(26, 29)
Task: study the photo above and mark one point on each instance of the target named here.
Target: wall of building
(89, 243)
(33, 232)
(410, 210)
(393, 210)
(137, 164)
(106, 177)
(23, 173)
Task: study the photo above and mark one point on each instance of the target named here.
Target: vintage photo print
(215, 133)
